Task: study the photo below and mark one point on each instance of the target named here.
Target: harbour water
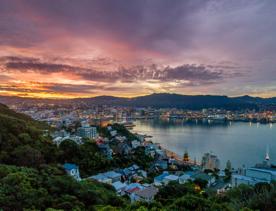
(240, 142)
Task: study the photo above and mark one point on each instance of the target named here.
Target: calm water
(241, 143)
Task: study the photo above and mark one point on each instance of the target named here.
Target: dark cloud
(71, 88)
(224, 39)
(146, 24)
(6, 59)
(195, 74)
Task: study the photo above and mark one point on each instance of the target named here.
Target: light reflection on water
(239, 142)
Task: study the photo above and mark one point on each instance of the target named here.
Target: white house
(72, 170)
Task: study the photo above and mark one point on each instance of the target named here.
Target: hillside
(31, 174)
(161, 100)
(165, 100)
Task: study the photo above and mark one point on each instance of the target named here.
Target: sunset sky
(82, 48)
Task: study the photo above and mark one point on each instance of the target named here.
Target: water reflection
(235, 141)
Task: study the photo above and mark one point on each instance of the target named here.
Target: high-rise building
(210, 161)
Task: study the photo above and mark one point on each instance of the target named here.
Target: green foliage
(201, 183)
(27, 156)
(173, 190)
(121, 130)
(22, 187)
(87, 156)
(141, 159)
(22, 141)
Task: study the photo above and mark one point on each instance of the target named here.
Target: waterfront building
(210, 161)
(263, 172)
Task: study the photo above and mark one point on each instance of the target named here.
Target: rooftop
(171, 177)
(162, 176)
(118, 185)
(147, 192)
(112, 174)
(70, 166)
(265, 170)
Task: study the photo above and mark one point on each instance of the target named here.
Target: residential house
(114, 176)
(188, 175)
(72, 170)
(106, 150)
(158, 181)
(101, 178)
(135, 144)
(113, 133)
(119, 187)
(147, 194)
(184, 178)
(131, 189)
(122, 149)
(170, 178)
(161, 164)
(131, 171)
(209, 178)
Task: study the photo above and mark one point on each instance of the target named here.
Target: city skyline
(71, 49)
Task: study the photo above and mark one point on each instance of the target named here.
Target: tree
(228, 165)
(167, 194)
(201, 183)
(27, 156)
(191, 202)
(18, 191)
(69, 151)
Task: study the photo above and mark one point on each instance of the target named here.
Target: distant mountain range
(159, 100)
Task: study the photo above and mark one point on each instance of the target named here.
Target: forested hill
(22, 139)
(166, 100)
(163, 100)
(31, 172)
